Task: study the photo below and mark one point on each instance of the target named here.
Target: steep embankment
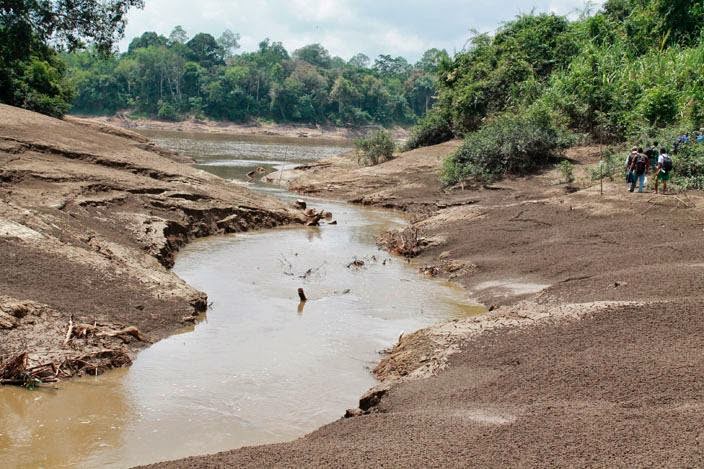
(593, 356)
(90, 220)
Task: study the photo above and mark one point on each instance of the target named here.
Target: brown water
(259, 368)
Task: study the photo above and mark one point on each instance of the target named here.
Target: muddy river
(260, 367)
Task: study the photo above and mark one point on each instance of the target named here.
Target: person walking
(639, 168)
(653, 152)
(629, 163)
(664, 170)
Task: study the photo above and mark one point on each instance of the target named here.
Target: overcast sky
(344, 27)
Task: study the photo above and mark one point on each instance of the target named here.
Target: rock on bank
(90, 220)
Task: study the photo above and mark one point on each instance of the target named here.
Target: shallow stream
(261, 367)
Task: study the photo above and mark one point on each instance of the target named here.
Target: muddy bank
(231, 128)
(591, 356)
(90, 220)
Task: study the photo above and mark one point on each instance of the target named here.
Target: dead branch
(130, 331)
(69, 332)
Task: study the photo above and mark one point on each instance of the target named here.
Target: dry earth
(90, 219)
(220, 127)
(592, 355)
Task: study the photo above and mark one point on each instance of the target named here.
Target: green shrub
(567, 171)
(431, 130)
(375, 148)
(610, 166)
(659, 106)
(688, 167)
(510, 143)
(167, 111)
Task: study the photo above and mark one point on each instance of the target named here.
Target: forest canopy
(176, 77)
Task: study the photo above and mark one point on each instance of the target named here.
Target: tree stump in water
(302, 295)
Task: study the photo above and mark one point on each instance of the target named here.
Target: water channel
(260, 368)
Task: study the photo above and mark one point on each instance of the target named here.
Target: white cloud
(345, 27)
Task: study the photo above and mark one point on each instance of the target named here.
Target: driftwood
(81, 331)
(95, 363)
(127, 331)
(16, 372)
(314, 216)
(407, 243)
(69, 332)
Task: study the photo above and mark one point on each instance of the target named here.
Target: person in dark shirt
(639, 167)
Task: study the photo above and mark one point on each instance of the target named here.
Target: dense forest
(174, 77)
(632, 71)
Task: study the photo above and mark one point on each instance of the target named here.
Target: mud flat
(90, 219)
(592, 355)
(231, 128)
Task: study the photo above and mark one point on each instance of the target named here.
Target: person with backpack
(653, 152)
(639, 168)
(664, 170)
(629, 162)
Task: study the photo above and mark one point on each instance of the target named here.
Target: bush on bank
(375, 148)
(508, 144)
(432, 129)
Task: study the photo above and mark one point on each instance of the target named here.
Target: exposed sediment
(90, 220)
(592, 353)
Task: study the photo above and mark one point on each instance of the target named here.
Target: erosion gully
(260, 368)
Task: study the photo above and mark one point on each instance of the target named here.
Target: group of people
(638, 165)
(696, 137)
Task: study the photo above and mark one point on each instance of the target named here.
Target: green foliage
(509, 144)
(688, 167)
(203, 77)
(659, 106)
(610, 166)
(504, 71)
(204, 50)
(431, 130)
(32, 75)
(632, 71)
(167, 111)
(375, 148)
(567, 170)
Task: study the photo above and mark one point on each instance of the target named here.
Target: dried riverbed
(260, 368)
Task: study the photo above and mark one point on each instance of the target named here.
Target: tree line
(631, 71)
(175, 77)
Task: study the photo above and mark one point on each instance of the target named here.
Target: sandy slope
(90, 219)
(593, 355)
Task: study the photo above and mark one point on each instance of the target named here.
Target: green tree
(32, 75)
(359, 61)
(229, 43)
(314, 54)
(178, 35)
(147, 39)
(205, 50)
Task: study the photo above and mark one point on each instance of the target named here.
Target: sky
(345, 27)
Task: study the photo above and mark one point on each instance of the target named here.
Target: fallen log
(127, 331)
(15, 372)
